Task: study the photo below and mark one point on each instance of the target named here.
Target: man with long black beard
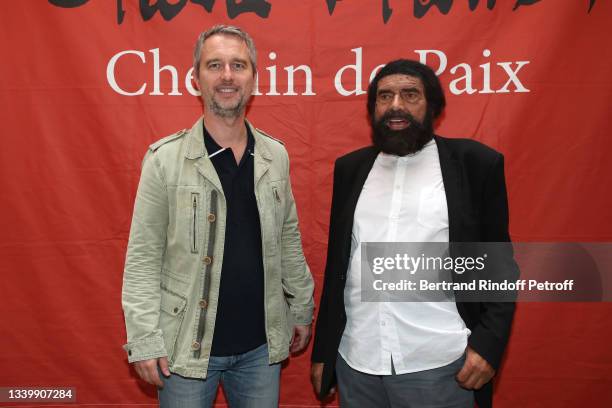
(410, 186)
(398, 132)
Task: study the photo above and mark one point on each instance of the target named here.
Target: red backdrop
(529, 78)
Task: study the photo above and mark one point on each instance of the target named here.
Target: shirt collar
(213, 147)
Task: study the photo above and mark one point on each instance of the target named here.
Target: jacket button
(195, 345)
(176, 309)
(211, 218)
(207, 260)
(203, 303)
(129, 352)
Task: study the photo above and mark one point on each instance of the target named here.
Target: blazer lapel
(451, 177)
(360, 170)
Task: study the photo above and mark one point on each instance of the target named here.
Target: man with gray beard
(216, 287)
(410, 186)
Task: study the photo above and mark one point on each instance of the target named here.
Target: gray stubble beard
(222, 112)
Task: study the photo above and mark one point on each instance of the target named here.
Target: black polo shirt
(240, 322)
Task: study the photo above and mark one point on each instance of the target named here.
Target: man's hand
(316, 374)
(301, 337)
(147, 370)
(476, 371)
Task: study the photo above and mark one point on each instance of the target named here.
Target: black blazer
(473, 176)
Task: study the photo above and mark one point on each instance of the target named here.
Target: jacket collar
(196, 150)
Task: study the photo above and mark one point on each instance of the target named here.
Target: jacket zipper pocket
(194, 222)
(277, 215)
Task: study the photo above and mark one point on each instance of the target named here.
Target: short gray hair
(221, 29)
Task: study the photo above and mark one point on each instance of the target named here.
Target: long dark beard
(405, 141)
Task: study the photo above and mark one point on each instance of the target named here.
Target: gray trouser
(424, 389)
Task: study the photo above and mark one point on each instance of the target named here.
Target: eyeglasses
(410, 96)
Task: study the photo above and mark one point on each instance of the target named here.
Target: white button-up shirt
(402, 200)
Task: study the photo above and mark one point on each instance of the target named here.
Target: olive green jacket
(175, 253)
